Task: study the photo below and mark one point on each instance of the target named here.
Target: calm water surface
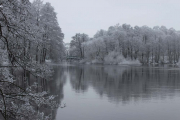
(118, 92)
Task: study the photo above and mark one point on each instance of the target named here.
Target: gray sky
(89, 16)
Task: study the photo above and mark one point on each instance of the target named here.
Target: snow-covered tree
(148, 45)
(27, 35)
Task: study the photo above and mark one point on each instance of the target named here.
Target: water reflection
(53, 85)
(97, 92)
(126, 83)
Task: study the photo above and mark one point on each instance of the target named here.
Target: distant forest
(126, 43)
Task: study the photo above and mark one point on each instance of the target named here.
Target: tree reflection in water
(126, 83)
(52, 85)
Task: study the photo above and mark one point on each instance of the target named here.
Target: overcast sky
(89, 16)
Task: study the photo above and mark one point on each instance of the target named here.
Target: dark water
(118, 92)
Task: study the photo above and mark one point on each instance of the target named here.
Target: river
(110, 92)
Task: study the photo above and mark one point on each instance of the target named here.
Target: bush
(116, 58)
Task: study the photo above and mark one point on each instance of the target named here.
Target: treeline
(29, 35)
(124, 42)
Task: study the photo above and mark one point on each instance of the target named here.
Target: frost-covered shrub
(130, 62)
(96, 61)
(113, 58)
(116, 58)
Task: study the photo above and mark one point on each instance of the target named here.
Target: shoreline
(140, 64)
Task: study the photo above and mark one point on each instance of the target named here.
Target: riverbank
(128, 62)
